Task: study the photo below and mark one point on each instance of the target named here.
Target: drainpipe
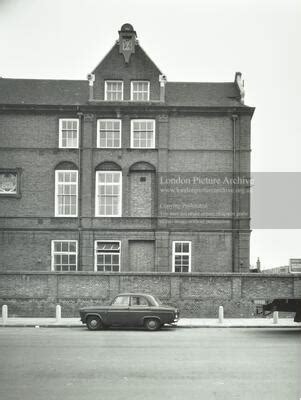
(79, 212)
(234, 200)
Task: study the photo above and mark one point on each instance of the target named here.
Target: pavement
(182, 323)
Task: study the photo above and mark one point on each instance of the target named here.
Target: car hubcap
(152, 324)
(93, 323)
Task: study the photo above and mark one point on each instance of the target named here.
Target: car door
(139, 308)
(118, 312)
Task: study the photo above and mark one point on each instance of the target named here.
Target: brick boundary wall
(35, 294)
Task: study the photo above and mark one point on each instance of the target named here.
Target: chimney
(91, 79)
(258, 265)
(162, 80)
(240, 84)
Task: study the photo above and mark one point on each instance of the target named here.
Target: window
(68, 133)
(108, 194)
(121, 301)
(114, 90)
(10, 182)
(109, 133)
(181, 256)
(64, 255)
(140, 90)
(143, 133)
(137, 301)
(107, 256)
(66, 182)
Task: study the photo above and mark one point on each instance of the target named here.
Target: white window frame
(132, 90)
(98, 133)
(95, 254)
(56, 207)
(174, 253)
(53, 253)
(96, 194)
(154, 133)
(61, 120)
(106, 88)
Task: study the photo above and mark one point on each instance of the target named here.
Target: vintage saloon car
(130, 309)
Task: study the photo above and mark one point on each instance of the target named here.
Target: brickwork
(201, 133)
(141, 256)
(193, 135)
(197, 295)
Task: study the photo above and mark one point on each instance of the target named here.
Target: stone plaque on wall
(9, 182)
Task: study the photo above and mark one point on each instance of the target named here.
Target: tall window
(114, 90)
(108, 194)
(64, 255)
(181, 256)
(66, 192)
(140, 90)
(143, 133)
(68, 133)
(109, 133)
(107, 256)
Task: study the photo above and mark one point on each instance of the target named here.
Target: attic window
(140, 90)
(114, 90)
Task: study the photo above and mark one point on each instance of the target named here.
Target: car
(130, 309)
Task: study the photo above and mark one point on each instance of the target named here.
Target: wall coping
(171, 274)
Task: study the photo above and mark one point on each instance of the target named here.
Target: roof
(201, 94)
(43, 92)
(76, 92)
(115, 51)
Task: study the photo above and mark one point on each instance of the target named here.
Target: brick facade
(199, 129)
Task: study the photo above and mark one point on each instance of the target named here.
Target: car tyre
(93, 323)
(152, 324)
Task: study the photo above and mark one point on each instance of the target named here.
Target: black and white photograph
(150, 200)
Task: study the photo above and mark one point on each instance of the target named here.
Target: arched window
(66, 190)
(108, 190)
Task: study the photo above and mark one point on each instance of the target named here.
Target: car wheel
(297, 316)
(93, 323)
(152, 324)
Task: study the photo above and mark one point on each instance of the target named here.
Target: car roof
(134, 294)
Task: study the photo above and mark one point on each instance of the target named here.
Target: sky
(197, 41)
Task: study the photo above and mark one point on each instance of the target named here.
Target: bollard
(58, 313)
(4, 314)
(275, 317)
(221, 314)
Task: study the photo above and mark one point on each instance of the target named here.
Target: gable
(130, 66)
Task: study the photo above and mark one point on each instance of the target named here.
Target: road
(172, 364)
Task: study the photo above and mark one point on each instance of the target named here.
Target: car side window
(139, 301)
(121, 301)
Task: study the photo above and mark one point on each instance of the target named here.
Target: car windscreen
(158, 301)
(121, 301)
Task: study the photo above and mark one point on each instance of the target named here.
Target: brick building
(96, 175)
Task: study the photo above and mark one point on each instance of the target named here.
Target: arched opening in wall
(108, 166)
(142, 189)
(108, 190)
